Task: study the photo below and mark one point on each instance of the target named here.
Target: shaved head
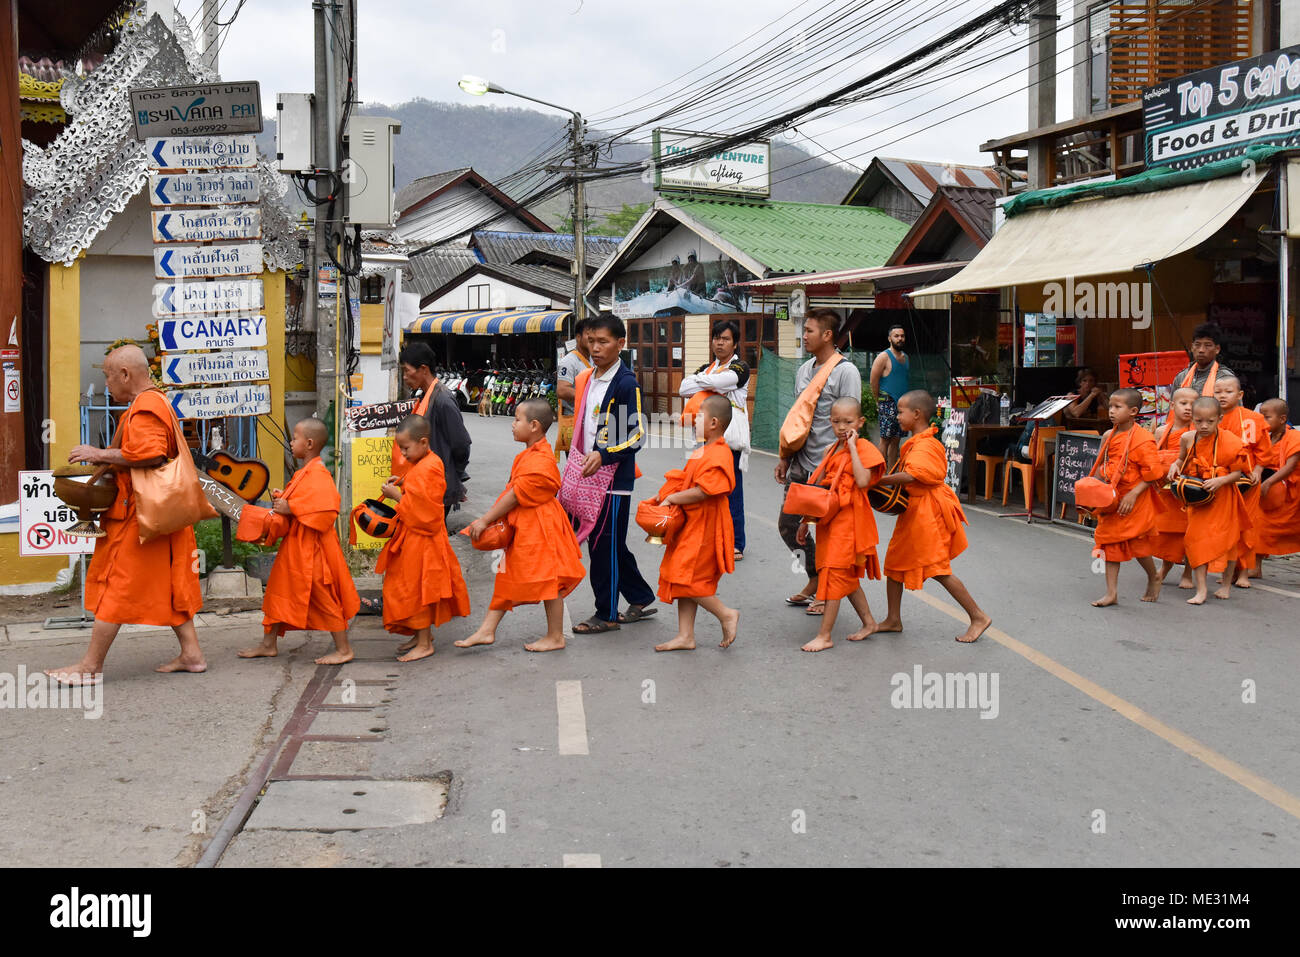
(414, 427)
(1130, 397)
(539, 411)
(1275, 407)
(1207, 404)
(314, 431)
(717, 407)
(1185, 394)
(920, 401)
(130, 359)
(846, 403)
(126, 373)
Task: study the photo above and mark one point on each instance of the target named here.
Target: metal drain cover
(347, 805)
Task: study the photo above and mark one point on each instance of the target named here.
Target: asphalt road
(1137, 735)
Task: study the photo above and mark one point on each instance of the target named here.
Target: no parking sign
(43, 520)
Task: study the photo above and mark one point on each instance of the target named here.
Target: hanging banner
(224, 295)
(201, 152)
(199, 262)
(206, 225)
(1219, 113)
(741, 169)
(203, 189)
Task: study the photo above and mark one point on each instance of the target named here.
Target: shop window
(633, 333)
(479, 297)
(372, 288)
(661, 357)
(769, 329)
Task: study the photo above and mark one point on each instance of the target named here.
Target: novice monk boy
(1129, 452)
(704, 548)
(929, 535)
(310, 588)
(543, 562)
(1279, 494)
(423, 586)
(1251, 427)
(1171, 520)
(847, 539)
(1215, 530)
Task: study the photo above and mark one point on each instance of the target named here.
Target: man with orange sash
(1171, 520)
(1130, 462)
(1279, 493)
(703, 550)
(543, 561)
(1249, 426)
(1205, 370)
(847, 538)
(310, 588)
(129, 581)
(929, 535)
(448, 437)
(1216, 529)
(423, 585)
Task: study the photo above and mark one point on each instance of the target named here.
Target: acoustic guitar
(247, 478)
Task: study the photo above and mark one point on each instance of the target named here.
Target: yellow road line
(1248, 779)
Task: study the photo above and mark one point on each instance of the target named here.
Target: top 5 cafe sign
(1218, 113)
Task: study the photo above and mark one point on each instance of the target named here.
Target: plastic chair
(991, 463)
(1029, 471)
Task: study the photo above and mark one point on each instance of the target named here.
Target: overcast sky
(592, 55)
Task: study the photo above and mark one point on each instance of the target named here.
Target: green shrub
(208, 536)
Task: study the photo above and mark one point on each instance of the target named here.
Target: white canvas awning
(1092, 237)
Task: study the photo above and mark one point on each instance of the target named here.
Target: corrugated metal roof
(424, 187)
(509, 247)
(558, 284)
(848, 276)
(976, 206)
(922, 178)
(438, 266)
(800, 237)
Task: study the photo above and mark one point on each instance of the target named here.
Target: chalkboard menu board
(953, 437)
(1075, 454)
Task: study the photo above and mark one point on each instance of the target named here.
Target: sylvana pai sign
(1218, 113)
(742, 169)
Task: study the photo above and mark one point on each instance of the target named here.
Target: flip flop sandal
(739, 556)
(816, 608)
(636, 613)
(798, 600)
(594, 626)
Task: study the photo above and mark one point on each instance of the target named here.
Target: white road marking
(582, 860)
(572, 717)
(568, 622)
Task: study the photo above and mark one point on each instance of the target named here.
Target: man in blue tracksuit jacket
(613, 427)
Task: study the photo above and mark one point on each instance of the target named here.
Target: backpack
(985, 410)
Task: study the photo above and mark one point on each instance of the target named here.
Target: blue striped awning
(490, 322)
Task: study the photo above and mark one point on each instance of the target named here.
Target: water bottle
(1004, 406)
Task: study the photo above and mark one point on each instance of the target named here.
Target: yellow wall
(697, 345)
(26, 571)
(300, 374)
(372, 328)
(270, 450)
(787, 339)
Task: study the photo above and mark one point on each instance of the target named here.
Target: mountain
(498, 140)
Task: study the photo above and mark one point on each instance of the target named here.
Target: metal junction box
(369, 173)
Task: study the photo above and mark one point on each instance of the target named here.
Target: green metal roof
(1147, 181)
(800, 237)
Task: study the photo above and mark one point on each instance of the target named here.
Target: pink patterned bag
(583, 497)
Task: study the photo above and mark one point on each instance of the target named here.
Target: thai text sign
(217, 402)
(216, 368)
(206, 225)
(187, 298)
(43, 520)
(214, 332)
(1218, 113)
(197, 109)
(198, 262)
(203, 189)
(202, 152)
(741, 169)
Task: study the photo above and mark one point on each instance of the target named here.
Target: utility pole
(209, 25)
(579, 227)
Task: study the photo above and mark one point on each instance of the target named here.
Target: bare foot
(335, 658)
(75, 675)
(819, 643)
(478, 638)
(546, 643)
(260, 651)
(729, 626)
(678, 643)
(1197, 599)
(1242, 581)
(181, 663)
(1224, 592)
(1186, 582)
(406, 646)
(1106, 601)
(416, 654)
(1153, 591)
(977, 628)
(866, 631)
(887, 625)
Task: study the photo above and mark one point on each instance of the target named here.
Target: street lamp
(478, 86)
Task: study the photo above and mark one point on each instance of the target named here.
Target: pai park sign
(743, 169)
(203, 189)
(201, 152)
(220, 401)
(1219, 113)
(207, 225)
(216, 368)
(223, 295)
(204, 262)
(197, 110)
(215, 332)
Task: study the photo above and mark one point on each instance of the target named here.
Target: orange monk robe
(1122, 537)
(423, 584)
(1171, 519)
(1215, 530)
(846, 542)
(929, 535)
(705, 548)
(543, 560)
(400, 463)
(310, 588)
(155, 583)
(1252, 428)
(1278, 532)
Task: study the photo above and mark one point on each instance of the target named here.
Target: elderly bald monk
(155, 583)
